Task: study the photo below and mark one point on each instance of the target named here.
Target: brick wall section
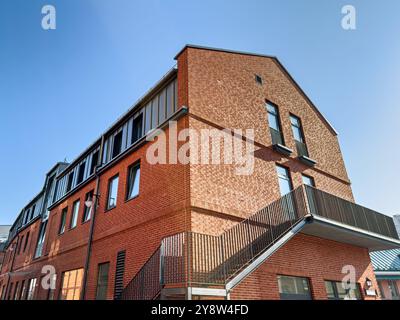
(306, 256)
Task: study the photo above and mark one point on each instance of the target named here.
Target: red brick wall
(310, 257)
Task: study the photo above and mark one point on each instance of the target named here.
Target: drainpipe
(94, 210)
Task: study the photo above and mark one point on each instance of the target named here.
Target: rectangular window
(16, 291)
(394, 291)
(274, 124)
(70, 179)
(71, 284)
(336, 291)
(81, 172)
(31, 289)
(40, 242)
(102, 281)
(10, 291)
(88, 209)
(298, 136)
(112, 193)
(74, 215)
(285, 183)
(294, 288)
(308, 181)
(63, 220)
(117, 144)
(26, 241)
(95, 160)
(33, 210)
(22, 291)
(137, 128)
(133, 181)
(20, 245)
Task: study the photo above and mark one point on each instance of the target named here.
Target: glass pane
(113, 190)
(297, 134)
(293, 287)
(308, 181)
(170, 99)
(285, 186)
(148, 118)
(134, 181)
(329, 290)
(273, 122)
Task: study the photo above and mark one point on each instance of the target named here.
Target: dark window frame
(107, 206)
(102, 285)
(335, 291)
(63, 221)
(117, 143)
(87, 210)
(310, 288)
(72, 214)
(134, 165)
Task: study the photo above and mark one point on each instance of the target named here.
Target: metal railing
(301, 149)
(276, 136)
(191, 258)
(146, 284)
(334, 208)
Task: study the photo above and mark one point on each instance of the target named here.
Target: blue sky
(60, 89)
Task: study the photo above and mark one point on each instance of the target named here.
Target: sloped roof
(388, 260)
(324, 119)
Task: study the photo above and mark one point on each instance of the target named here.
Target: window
(20, 244)
(74, 216)
(95, 160)
(137, 128)
(10, 291)
(308, 181)
(285, 183)
(63, 220)
(117, 145)
(258, 79)
(26, 241)
(22, 291)
(71, 284)
(171, 99)
(296, 128)
(336, 291)
(31, 289)
(394, 291)
(112, 193)
(294, 288)
(70, 179)
(274, 124)
(88, 210)
(102, 281)
(81, 172)
(40, 242)
(133, 181)
(16, 291)
(298, 136)
(33, 210)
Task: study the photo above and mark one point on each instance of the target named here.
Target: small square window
(259, 79)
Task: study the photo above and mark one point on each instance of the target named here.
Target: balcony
(213, 265)
(303, 155)
(278, 144)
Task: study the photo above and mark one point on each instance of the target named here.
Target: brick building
(114, 225)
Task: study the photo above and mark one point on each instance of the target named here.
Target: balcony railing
(276, 136)
(326, 205)
(190, 259)
(301, 149)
